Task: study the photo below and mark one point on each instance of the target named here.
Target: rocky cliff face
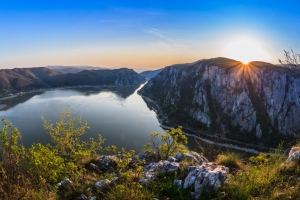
(258, 102)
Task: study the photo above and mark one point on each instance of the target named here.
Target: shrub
(16, 182)
(66, 137)
(173, 141)
(230, 159)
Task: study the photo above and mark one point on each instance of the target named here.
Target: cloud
(157, 33)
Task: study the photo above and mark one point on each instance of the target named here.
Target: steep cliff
(257, 103)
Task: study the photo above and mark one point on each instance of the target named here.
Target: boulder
(65, 184)
(162, 166)
(204, 177)
(106, 164)
(294, 155)
(100, 184)
(197, 158)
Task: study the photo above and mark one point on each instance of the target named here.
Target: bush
(230, 159)
(173, 141)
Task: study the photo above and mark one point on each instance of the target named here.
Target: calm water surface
(120, 115)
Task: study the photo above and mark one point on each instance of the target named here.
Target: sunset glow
(245, 50)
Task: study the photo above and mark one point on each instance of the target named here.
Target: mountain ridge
(24, 79)
(255, 102)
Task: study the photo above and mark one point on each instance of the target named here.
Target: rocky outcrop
(198, 175)
(201, 175)
(258, 102)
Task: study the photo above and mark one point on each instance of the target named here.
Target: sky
(144, 34)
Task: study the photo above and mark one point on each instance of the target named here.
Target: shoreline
(66, 87)
(208, 141)
(2, 106)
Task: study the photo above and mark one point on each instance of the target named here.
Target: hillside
(115, 77)
(257, 103)
(26, 78)
(150, 73)
(72, 69)
(23, 79)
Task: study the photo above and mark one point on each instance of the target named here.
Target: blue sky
(141, 34)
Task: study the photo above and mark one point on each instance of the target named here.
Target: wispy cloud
(157, 33)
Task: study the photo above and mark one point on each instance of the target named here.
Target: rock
(294, 155)
(65, 184)
(82, 197)
(197, 158)
(205, 177)
(100, 184)
(94, 166)
(106, 164)
(171, 159)
(147, 157)
(114, 180)
(298, 178)
(161, 166)
(178, 183)
(259, 102)
(92, 198)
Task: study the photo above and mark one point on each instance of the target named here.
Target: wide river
(120, 115)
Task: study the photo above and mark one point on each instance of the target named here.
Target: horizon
(144, 35)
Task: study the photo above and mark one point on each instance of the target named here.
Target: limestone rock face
(259, 102)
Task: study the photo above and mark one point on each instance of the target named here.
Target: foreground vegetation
(34, 172)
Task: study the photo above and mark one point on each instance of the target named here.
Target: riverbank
(66, 87)
(209, 138)
(2, 106)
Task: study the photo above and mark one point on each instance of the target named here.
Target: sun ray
(245, 50)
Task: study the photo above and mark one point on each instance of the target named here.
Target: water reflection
(120, 115)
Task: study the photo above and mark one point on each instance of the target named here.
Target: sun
(245, 50)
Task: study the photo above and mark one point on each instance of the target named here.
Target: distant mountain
(257, 103)
(150, 73)
(21, 79)
(26, 78)
(115, 77)
(72, 69)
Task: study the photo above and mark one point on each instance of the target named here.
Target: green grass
(230, 159)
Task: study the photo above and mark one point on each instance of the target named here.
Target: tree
(291, 60)
(172, 142)
(66, 135)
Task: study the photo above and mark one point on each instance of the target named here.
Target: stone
(205, 177)
(65, 184)
(106, 164)
(82, 197)
(94, 166)
(197, 158)
(171, 159)
(92, 198)
(114, 180)
(294, 155)
(100, 184)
